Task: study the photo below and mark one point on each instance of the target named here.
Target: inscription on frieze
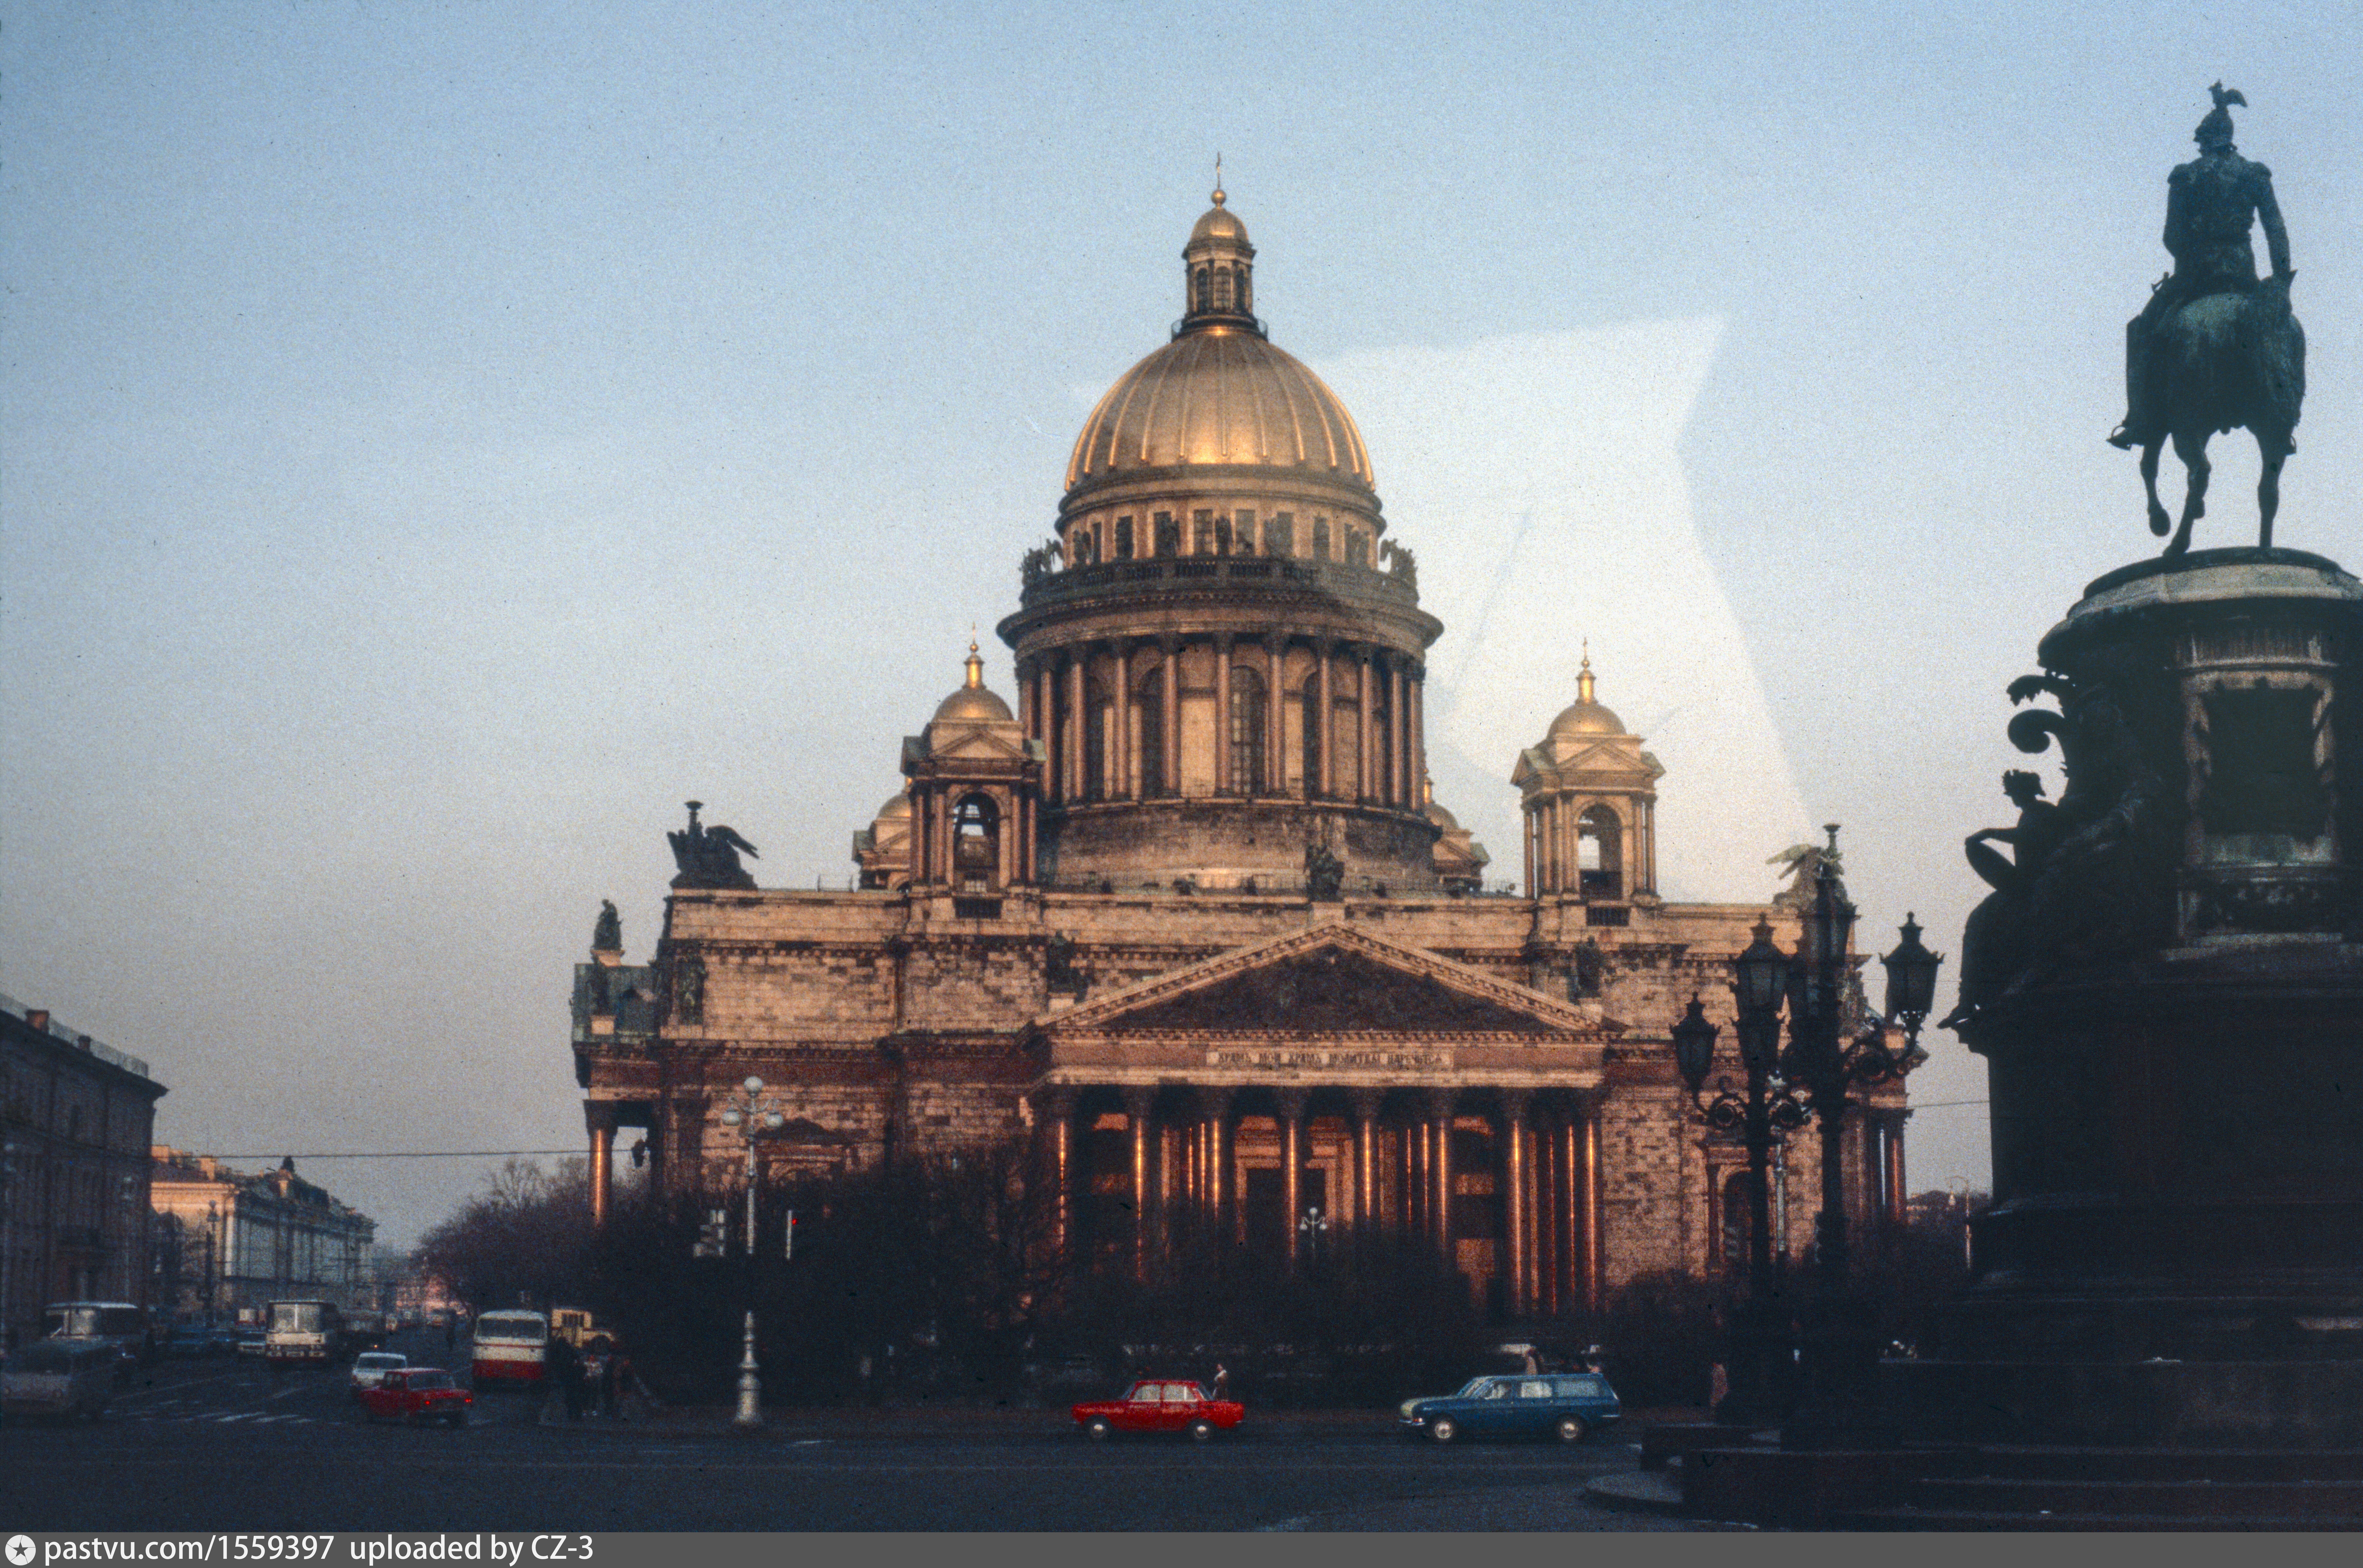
(1296, 1059)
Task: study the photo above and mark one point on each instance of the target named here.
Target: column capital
(1441, 1102)
(1168, 643)
(1293, 1102)
(1059, 1099)
(1213, 1099)
(1365, 1102)
(1516, 1103)
(1137, 1099)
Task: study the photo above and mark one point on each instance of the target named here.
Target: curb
(1636, 1492)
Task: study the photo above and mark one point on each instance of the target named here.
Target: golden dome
(972, 702)
(1219, 224)
(897, 805)
(1585, 716)
(1219, 395)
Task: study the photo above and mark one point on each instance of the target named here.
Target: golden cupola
(1589, 795)
(1220, 652)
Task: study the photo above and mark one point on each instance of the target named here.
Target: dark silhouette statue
(2215, 349)
(1325, 873)
(708, 857)
(607, 936)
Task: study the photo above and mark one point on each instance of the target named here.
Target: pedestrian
(594, 1376)
(1221, 1381)
(564, 1367)
(611, 1380)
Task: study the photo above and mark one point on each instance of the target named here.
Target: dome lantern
(1218, 272)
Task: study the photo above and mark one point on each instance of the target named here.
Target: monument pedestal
(2168, 989)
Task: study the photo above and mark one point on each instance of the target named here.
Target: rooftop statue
(708, 857)
(2215, 347)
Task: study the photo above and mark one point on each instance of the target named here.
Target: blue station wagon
(1562, 1405)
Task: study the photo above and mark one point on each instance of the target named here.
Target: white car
(369, 1368)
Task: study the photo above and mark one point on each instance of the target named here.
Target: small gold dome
(1441, 817)
(1219, 224)
(972, 702)
(1585, 716)
(897, 805)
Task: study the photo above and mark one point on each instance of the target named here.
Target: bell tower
(1589, 796)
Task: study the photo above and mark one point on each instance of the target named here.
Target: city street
(215, 1445)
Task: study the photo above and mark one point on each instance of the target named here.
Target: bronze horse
(2230, 358)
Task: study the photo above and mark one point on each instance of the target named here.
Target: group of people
(594, 1379)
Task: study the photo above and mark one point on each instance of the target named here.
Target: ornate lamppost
(1760, 1121)
(1829, 1062)
(749, 1115)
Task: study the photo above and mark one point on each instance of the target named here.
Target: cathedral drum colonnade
(1188, 916)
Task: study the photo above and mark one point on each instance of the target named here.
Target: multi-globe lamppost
(1814, 1077)
(749, 1114)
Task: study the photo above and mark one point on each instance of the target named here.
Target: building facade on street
(230, 1242)
(75, 1120)
(1188, 916)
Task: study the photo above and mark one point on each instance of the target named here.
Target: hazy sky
(438, 440)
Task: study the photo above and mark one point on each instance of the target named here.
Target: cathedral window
(1202, 532)
(1243, 533)
(1321, 538)
(1222, 533)
(1357, 547)
(1279, 534)
(1313, 737)
(1123, 539)
(1095, 746)
(976, 844)
(1738, 1221)
(1248, 717)
(1600, 852)
(1198, 290)
(1149, 704)
(1222, 288)
(1169, 534)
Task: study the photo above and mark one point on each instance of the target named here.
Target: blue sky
(438, 440)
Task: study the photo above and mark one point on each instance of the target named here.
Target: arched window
(1123, 539)
(1248, 716)
(1222, 288)
(1198, 290)
(1279, 534)
(1736, 1221)
(976, 844)
(1316, 734)
(1357, 547)
(1321, 538)
(1095, 742)
(1148, 701)
(1169, 534)
(1600, 853)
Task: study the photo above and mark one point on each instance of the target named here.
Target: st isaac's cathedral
(1188, 920)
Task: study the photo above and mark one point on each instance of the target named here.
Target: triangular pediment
(1330, 980)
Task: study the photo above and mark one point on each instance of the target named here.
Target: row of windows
(1222, 289)
(1215, 533)
(1247, 732)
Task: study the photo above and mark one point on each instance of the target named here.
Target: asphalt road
(218, 1445)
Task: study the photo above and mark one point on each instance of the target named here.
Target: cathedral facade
(1187, 918)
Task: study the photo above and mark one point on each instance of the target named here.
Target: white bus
(510, 1347)
(304, 1331)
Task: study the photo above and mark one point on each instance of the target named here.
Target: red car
(1157, 1406)
(418, 1394)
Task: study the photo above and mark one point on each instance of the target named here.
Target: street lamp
(1759, 1122)
(750, 1114)
(1828, 1066)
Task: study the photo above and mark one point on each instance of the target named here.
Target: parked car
(1156, 1405)
(418, 1394)
(252, 1341)
(370, 1369)
(61, 1378)
(1568, 1406)
(192, 1340)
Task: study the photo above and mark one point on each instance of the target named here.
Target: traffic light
(713, 1236)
